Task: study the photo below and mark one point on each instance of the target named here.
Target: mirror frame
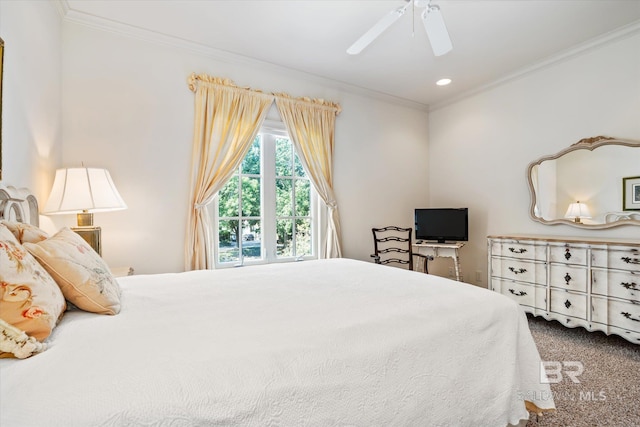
(584, 144)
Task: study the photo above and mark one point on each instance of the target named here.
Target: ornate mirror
(595, 183)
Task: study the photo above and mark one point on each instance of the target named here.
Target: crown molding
(62, 6)
(580, 49)
(146, 35)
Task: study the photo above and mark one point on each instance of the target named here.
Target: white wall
(127, 108)
(380, 169)
(480, 146)
(31, 122)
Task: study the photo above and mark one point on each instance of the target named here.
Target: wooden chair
(393, 245)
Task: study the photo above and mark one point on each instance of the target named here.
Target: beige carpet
(608, 392)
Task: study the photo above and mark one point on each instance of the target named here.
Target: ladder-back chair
(393, 245)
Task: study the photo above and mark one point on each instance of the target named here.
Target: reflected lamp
(576, 211)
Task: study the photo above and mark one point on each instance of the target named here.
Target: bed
(334, 342)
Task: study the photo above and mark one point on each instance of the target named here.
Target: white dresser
(590, 283)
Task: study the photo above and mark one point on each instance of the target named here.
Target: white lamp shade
(578, 210)
(83, 189)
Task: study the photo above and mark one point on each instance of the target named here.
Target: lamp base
(85, 219)
(92, 235)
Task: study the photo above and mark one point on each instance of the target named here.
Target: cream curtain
(227, 119)
(311, 126)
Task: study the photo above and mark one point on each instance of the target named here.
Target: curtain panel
(311, 126)
(227, 119)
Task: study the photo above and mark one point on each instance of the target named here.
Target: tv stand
(441, 250)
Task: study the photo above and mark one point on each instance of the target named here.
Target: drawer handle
(630, 260)
(518, 294)
(629, 316)
(567, 303)
(518, 251)
(632, 285)
(567, 254)
(567, 278)
(518, 271)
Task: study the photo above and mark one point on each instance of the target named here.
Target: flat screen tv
(442, 224)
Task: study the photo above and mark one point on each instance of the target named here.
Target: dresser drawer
(519, 249)
(568, 277)
(522, 271)
(522, 293)
(568, 303)
(568, 254)
(616, 313)
(617, 284)
(620, 257)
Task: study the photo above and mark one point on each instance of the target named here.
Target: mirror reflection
(583, 185)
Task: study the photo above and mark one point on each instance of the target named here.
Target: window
(265, 212)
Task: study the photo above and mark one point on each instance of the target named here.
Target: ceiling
(493, 40)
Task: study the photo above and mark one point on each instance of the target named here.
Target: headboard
(18, 204)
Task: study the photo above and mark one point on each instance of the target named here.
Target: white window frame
(269, 131)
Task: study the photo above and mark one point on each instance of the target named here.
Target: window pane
(285, 236)
(303, 237)
(283, 157)
(228, 241)
(250, 196)
(251, 239)
(303, 197)
(228, 198)
(298, 166)
(284, 193)
(241, 208)
(251, 162)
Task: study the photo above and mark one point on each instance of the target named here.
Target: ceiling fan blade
(376, 30)
(436, 30)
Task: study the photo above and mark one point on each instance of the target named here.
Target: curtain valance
(204, 79)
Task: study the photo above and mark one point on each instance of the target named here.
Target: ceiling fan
(431, 18)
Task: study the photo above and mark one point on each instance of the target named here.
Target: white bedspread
(314, 343)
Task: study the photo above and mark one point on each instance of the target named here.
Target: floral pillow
(25, 232)
(83, 276)
(30, 300)
(15, 343)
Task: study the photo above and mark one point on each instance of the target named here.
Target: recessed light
(443, 82)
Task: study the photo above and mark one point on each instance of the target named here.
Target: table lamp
(577, 210)
(84, 191)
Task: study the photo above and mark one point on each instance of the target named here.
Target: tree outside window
(265, 209)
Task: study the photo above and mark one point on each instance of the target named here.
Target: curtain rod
(222, 81)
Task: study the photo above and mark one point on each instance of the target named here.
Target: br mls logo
(551, 372)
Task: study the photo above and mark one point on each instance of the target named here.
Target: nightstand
(122, 271)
